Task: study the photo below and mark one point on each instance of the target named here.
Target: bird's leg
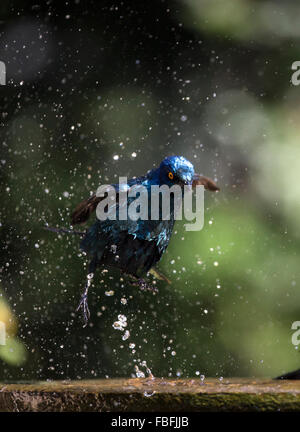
(83, 304)
(143, 285)
(83, 301)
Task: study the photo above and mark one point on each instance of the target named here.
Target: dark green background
(207, 79)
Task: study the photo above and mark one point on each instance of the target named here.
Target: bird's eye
(171, 175)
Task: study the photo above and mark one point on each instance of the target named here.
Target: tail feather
(65, 231)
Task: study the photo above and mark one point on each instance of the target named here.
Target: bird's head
(176, 170)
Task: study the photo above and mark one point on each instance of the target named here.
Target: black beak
(208, 183)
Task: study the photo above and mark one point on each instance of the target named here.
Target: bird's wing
(206, 182)
(85, 208)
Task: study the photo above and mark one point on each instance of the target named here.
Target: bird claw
(83, 304)
(83, 301)
(144, 286)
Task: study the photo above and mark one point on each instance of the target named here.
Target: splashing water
(138, 372)
(121, 324)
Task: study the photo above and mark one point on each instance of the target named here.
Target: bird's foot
(83, 305)
(145, 286)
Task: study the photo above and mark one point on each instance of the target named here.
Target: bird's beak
(208, 183)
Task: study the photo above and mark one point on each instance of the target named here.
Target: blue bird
(133, 246)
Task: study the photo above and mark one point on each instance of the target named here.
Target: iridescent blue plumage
(134, 246)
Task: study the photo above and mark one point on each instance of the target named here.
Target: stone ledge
(160, 395)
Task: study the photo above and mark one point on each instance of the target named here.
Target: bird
(133, 246)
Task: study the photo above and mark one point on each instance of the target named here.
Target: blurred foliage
(96, 90)
(13, 351)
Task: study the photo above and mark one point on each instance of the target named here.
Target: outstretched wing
(84, 209)
(208, 183)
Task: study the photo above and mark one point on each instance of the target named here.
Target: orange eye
(171, 175)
